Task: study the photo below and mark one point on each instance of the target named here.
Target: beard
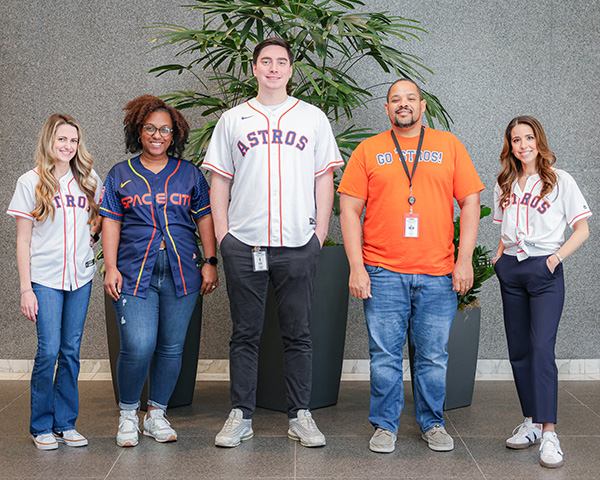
(406, 123)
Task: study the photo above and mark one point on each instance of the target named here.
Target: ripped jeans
(152, 329)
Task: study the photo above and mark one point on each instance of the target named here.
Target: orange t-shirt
(375, 174)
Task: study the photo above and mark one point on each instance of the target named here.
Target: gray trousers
(292, 273)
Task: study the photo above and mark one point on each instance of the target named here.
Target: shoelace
(231, 423)
(130, 420)
(160, 421)
(550, 444)
(518, 428)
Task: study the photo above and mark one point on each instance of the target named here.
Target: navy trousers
(532, 299)
(292, 273)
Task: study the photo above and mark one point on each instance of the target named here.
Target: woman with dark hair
(152, 205)
(535, 202)
(56, 207)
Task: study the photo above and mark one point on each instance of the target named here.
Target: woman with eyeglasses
(151, 207)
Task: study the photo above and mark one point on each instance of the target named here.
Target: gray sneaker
(438, 439)
(304, 429)
(383, 441)
(235, 430)
(158, 427)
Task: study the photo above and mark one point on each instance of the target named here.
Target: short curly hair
(138, 110)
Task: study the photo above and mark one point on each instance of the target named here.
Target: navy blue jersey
(152, 207)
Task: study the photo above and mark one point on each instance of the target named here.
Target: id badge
(259, 260)
(411, 225)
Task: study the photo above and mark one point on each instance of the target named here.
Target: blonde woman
(56, 208)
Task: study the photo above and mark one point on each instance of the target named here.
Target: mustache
(408, 109)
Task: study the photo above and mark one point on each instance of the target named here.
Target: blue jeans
(152, 329)
(60, 320)
(427, 305)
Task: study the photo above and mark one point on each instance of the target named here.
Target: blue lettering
(290, 138)
(277, 136)
(242, 148)
(301, 145)
(265, 136)
(252, 139)
(545, 206)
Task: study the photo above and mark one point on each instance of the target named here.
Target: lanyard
(411, 199)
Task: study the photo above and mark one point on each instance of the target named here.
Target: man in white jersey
(280, 153)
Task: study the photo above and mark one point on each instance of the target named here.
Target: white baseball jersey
(534, 226)
(273, 158)
(61, 256)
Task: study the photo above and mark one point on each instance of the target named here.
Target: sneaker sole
(72, 443)
(381, 449)
(172, 438)
(552, 465)
(243, 438)
(297, 438)
(128, 443)
(46, 446)
(438, 448)
(521, 446)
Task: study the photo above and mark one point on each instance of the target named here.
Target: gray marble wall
(492, 61)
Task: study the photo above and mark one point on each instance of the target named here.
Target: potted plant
(463, 344)
(331, 40)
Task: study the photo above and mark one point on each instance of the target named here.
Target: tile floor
(479, 432)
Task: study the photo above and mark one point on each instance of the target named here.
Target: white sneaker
(551, 456)
(524, 435)
(304, 429)
(158, 427)
(45, 441)
(127, 435)
(71, 438)
(235, 430)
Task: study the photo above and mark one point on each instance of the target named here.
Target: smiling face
(405, 106)
(156, 145)
(524, 146)
(273, 69)
(66, 140)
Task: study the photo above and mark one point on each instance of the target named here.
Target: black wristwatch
(212, 261)
(95, 236)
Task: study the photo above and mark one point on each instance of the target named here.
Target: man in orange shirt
(404, 270)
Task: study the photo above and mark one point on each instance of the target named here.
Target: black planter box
(329, 315)
(184, 389)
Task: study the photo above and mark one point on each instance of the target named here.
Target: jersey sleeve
(327, 153)
(466, 179)
(498, 212)
(218, 156)
(23, 201)
(98, 193)
(355, 181)
(576, 208)
(200, 197)
(110, 205)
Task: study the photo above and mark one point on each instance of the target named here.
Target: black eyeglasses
(164, 131)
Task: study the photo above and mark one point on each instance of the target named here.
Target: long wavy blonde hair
(511, 165)
(81, 166)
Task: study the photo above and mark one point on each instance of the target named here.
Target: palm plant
(482, 265)
(331, 41)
